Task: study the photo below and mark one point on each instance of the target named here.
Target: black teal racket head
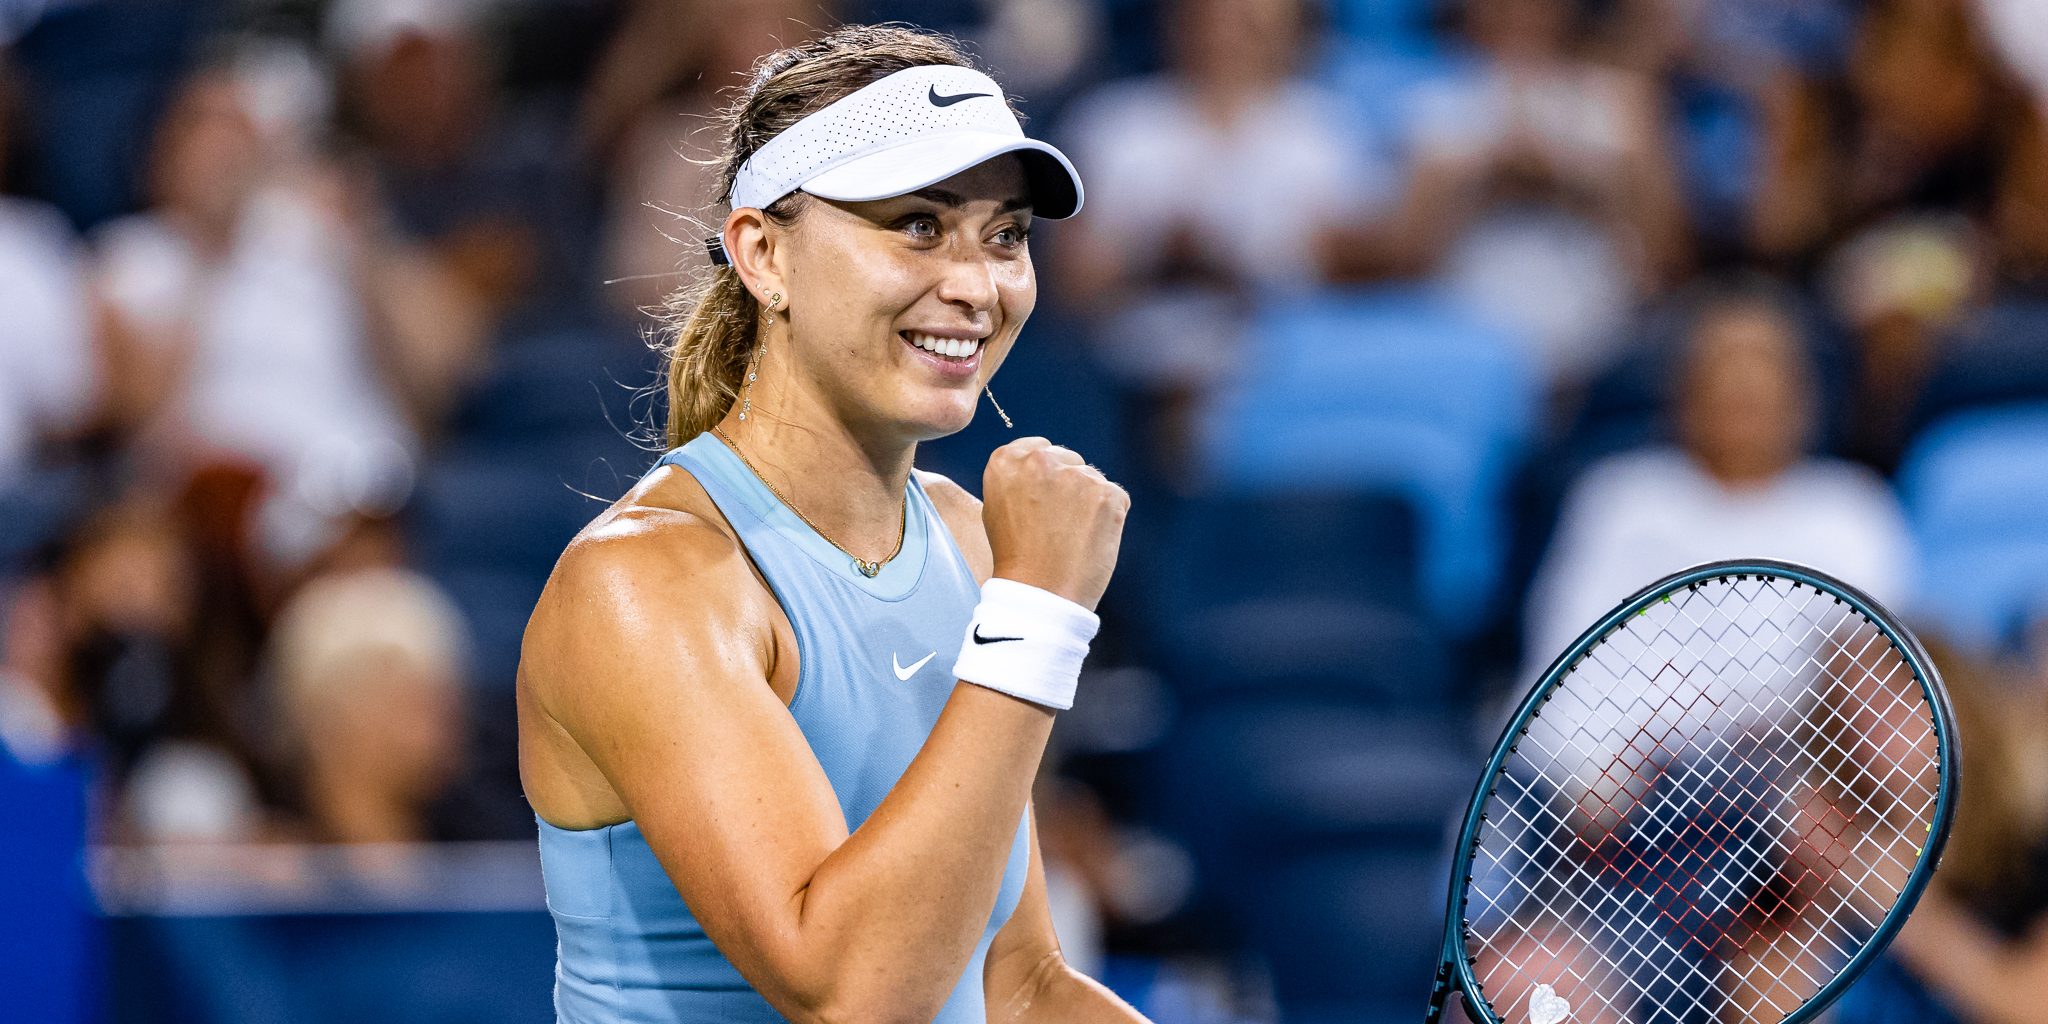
(1717, 806)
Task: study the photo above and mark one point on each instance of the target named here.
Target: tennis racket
(1716, 807)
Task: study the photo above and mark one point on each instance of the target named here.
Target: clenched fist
(1053, 520)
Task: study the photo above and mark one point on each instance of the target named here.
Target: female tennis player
(780, 706)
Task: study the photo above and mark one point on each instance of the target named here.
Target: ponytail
(710, 339)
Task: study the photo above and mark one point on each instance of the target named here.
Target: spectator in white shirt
(1543, 190)
(1225, 182)
(1739, 484)
(239, 315)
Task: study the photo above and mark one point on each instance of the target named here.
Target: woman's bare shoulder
(652, 624)
(661, 554)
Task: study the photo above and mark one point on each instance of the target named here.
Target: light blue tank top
(875, 666)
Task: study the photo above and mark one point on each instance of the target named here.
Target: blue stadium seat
(1379, 69)
(1351, 651)
(1357, 544)
(1351, 934)
(96, 76)
(1285, 770)
(1297, 592)
(1390, 389)
(1454, 483)
(559, 378)
(1997, 357)
(1406, 24)
(1888, 993)
(1402, 353)
(496, 604)
(489, 523)
(1717, 131)
(1976, 490)
(504, 508)
(1320, 830)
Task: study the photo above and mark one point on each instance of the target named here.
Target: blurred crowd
(1422, 330)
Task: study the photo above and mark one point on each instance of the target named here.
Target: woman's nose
(970, 281)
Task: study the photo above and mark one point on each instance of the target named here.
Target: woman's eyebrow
(944, 197)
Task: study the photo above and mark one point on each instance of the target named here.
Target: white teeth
(952, 348)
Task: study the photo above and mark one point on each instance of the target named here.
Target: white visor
(916, 127)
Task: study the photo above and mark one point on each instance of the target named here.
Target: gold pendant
(868, 569)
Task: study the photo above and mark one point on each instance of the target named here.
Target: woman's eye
(1012, 237)
(922, 227)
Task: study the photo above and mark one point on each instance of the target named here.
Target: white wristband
(1026, 642)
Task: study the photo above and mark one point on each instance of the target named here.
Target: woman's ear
(753, 246)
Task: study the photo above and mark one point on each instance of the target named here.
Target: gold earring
(747, 389)
(774, 301)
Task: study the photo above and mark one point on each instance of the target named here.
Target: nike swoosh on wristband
(947, 101)
(904, 674)
(978, 638)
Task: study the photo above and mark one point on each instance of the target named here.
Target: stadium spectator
(1915, 123)
(368, 666)
(1900, 285)
(1738, 484)
(237, 325)
(478, 185)
(1208, 187)
(1975, 941)
(121, 613)
(1543, 191)
(652, 113)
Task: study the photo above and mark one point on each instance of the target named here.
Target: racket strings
(1713, 812)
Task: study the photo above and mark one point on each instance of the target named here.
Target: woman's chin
(943, 416)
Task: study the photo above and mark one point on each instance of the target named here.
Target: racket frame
(1455, 969)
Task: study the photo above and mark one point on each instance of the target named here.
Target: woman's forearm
(890, 919)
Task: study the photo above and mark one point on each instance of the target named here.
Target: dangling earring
(999, 409)
(747, 389)
(754, 365)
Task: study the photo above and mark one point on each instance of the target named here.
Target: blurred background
(1421, 330)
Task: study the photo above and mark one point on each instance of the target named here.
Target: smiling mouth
(958, 349)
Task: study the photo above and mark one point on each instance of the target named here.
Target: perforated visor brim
(1055, 186)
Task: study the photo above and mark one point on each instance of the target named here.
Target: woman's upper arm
(652, 651)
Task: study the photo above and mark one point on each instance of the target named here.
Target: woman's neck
(849, 485)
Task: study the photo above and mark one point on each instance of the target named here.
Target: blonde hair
(708, 330)
(346, 621)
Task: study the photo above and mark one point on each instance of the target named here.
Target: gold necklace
(861, 565)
